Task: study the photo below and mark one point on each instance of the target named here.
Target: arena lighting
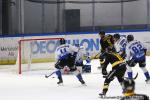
(80, 2)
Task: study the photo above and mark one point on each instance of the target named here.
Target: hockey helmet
(62, 41)
(116, 36)
(130, 38)
(128, 85)
(77, 44)
(102, 33)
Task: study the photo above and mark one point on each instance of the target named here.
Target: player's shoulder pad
(108, 36)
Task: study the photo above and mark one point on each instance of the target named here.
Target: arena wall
(90, 40)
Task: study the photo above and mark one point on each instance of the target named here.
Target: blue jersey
(63, 51)
(135, 50)
(120, 45)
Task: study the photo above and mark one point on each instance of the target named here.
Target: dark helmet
(62, 41)
(77, 44)
(116, 36)
(102, 33)
(128, 85)
(130, 38)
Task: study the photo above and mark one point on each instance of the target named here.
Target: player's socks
(58, 73)
(147, 75)
(130, 75)
(80, 79)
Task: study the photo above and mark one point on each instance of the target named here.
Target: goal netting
(34, 51)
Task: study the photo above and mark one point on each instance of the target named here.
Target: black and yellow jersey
(113, 58)
(106, 42)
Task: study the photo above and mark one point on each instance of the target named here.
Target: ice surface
(34, 86)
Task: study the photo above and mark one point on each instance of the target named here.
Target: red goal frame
(20, 49)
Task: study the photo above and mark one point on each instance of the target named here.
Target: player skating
(120, 43)
(136, 53)
(106, 41)
(82, 53)
(118, 69)
(66, 56)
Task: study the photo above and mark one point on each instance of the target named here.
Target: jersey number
(123, 43)
(63, 50)
(137, 49)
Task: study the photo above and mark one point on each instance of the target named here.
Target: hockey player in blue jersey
(82, 53)
(65, 55)
(136, 53)
(87, 65)
(120, 43)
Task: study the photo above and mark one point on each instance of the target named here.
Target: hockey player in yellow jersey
(118, 68)
(106, 41)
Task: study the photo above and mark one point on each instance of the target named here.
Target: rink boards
(90, 40)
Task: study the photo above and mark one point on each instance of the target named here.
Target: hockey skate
(102, 95)
(147, 81)
(99, 67)
(82, 82)
(60, 82)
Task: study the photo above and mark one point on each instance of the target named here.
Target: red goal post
(22, 44)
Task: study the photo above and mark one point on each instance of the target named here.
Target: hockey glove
(102, 55)
(145, 50)
(104, 72)
(131, 63)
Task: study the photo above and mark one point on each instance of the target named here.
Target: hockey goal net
(34, 51)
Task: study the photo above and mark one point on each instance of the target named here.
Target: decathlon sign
(43, 47)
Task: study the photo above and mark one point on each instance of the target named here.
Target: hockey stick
(134, 77)
(47, 76)
(96, 56)
(104, 76)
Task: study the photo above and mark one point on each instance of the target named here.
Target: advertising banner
(42, 49)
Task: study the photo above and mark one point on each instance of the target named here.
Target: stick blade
(46, 76)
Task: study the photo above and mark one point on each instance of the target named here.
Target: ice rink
(34, 86)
